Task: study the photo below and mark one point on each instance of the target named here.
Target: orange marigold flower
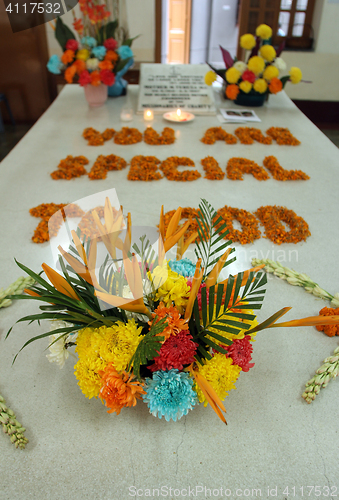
(119, 390)
(232, 92)
(95, 78)
(105, 65)
(67, 56)
(111, 55)
(80, 65)
(69, 73)
(275, 86)
(174, 322)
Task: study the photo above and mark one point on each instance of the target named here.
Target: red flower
(248, 76)
(85, 78)
(110, 44)
(107, 77)
(72, 45)
(240, 352)
(178, 350)
(203, 285)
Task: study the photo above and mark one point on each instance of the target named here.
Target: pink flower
(110, 44)
(178, 350)
(107, 77)
(240, 352)
(72, 44)
(85, 78)
(248, 76)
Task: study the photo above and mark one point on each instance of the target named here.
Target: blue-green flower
(89, 41)
(124, 52)
(55, 65)
(185, 267)
(99, 52)
(170, 394)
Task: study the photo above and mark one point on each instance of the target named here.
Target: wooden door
(24, 78)
(179, 31)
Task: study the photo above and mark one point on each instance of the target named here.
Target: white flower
(58, 352)
(92, 64)
(279, 63)
(240, 66)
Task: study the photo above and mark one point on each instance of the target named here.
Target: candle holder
(148, 115)
(126, 114)
(179, 116)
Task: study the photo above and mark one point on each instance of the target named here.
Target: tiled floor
(13, 135)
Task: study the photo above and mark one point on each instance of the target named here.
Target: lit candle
(148, 115)
(179, 115)
(126, 114)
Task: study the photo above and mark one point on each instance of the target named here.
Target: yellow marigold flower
(295, 75)
(260, 85)
(247, 41)
(270, 72)
(232, 75)
(210, 77)
(264, 31)
(220, 373)
(245, 86)
(87, 372)
(268, 52)
(83, 54)
(256, 64)
(175, 289)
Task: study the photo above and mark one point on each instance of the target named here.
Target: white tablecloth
(274, 439)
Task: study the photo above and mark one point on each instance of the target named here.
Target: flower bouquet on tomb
(250, 82)
(93, 57)
(172, 334)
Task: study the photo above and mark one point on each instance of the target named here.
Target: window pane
(253, 21)
(269, 17)
(284, 18)
(286, 4)
(298, 27)
(254, 4)
(302, 4)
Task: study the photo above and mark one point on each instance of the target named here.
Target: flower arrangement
(96, 57)
(260, 74)
(172, 334)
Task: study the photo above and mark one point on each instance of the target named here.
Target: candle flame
(179, 112)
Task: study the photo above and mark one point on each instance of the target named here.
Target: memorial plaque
(165, 87)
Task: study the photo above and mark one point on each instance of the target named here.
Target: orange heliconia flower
(67, 56)
(69, 73)
(119, 390)
(174, 321)
(105, 65)
(78, 26)
(80, 65)
(275, 86)
(95, 78)
(111, 55)
(232, 92)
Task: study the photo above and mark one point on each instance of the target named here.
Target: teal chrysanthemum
(170, 394)
(185, 267)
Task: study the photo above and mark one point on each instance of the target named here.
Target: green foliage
(107, 31)
(63, 33)
(284, 79)
(129, 41)
(211, 230)
(149, 346)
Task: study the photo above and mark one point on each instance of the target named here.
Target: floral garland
(212, 169)
(104, 164)
(214, 134)
(144, 168)
(44, 231)
(329, 330)
(236, 167)
(152, 137)
(247, 135)
(270, 217)
(170, 169)
(127, 136)
(11, 426)
(280, 174)
(95, 138)
(283, 136)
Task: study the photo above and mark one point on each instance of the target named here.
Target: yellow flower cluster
(175, 289)
(83, 54)
(220, 373)
(268, 52)
(256, 64)
(210, 77)
(270, 72)
(295, 75)
(232, 75)
(245, 86)
(247, 41)
(97, 347)
(264, 31)
(260, 86)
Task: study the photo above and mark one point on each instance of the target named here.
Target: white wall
(320, 66)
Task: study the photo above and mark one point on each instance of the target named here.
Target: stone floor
(13, 135)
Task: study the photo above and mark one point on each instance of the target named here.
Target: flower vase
(251, 100)
(96, 95)
(119, 87)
